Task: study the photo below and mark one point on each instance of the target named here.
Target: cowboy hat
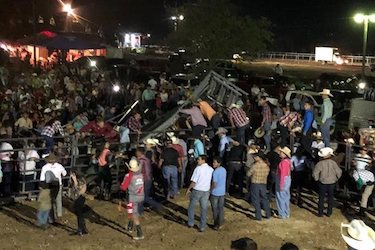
(239, 103)
(326, 92)
(47, 110)
(357, 235)
(286, 151)
(233, 105)
(325, 152)
(152, 141)
(51, 158)
(175, 140)
(133, 165)
(317, 135)
(8, 92)
(259, 132)
(221, 130)
(350, 141)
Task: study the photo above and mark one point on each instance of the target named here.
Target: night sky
(298, 26)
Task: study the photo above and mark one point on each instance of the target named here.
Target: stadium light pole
(365, 19)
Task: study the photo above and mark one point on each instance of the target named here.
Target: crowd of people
(219, 154)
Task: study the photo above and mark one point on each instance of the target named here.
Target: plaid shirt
(238, 116)
(266, 113)
(365, 175)
(53, 129)
(133, 124)
(288, 119)
(259, 173)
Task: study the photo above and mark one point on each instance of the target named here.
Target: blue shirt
(219, 177)
(198, 148)
(224, 140)
(308, 120)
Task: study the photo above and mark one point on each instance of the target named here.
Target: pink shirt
(283, 171)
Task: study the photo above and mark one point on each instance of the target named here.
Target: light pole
(177, 19)
(365, 19)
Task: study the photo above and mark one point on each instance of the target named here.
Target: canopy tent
(65, 41)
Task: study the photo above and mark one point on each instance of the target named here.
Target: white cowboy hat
(239, 103)
(221, 130)
(325, 152)
(47, 110)
(152, 142)
(133, 165)
(170, 134)
(286, 151)
(175, 140)
(317, 135)
(273, 101)
(233, 105)
(357, 235)
(251, 142)
(326, 92)
(350, 141)
(259, 132)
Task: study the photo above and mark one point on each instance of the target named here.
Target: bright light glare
(339, 61)
(359, 18)
(181, 17)
(68, 9)
(116, 88)
(149, 35)
(173, 18)
(362, 85)
(92, 63)
(372, 18)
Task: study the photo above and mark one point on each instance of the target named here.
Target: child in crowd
(133, 183)
(45, 205)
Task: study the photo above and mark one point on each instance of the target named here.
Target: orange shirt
(102, 157)
(207, 110)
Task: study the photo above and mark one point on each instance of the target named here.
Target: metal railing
(310, 57)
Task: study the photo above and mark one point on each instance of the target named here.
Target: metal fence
(310, 57)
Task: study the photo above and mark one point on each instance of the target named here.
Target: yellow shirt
(24, 123)
(207, 110)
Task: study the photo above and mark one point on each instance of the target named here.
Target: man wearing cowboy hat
(327, 110)
(327, 173)
(238, 119)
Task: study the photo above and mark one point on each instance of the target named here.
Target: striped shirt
(266, 113)
(288, 119)
(238, 116)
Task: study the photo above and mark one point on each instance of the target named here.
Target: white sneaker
(44, 155)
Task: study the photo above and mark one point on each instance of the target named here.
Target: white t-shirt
(362, 161)
(164, 97)
(28, 165)
(57, 169)
(202, 177)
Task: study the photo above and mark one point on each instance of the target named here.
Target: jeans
(326, 129)
(217, 204)
(306, 141)
(49, 144)
(297, 181)
(183, 172)
(29, 184)
(284, 133)
(105, 175)
(170, 175)
(42, 216)
(366, 194)
(6, 185)
(241, 134)
(57, 204)
(79, 205)
(215, 121)
(259, 199)
(323, 190)
(283, 198)
(235, 167)
(201, 197)
(267, 135)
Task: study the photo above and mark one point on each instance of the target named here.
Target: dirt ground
(167, 229)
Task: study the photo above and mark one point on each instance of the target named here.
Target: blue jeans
(326, 132)
(259, 199)
(49, 144)
(283, 198)
(241, 134)
(201, 197)
(170, 175)
(42, 216)
(267, 135)
(217, 204)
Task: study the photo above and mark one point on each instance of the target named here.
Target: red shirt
(283, 171)
(106, 131)
(179, 149)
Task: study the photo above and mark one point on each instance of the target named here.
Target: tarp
(64, 41)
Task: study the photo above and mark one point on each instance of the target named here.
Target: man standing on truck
(327, 110)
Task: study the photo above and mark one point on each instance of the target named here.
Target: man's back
(202, 177)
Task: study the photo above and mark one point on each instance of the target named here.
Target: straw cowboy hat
(325, 152)
(259, 132)
(358, 235)
(221, 130)
(175, 140)
(233, 105)
(326, 92)
(51, 158)
(317, 135)
(133, 165)
(286, 151)
(152, 142)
